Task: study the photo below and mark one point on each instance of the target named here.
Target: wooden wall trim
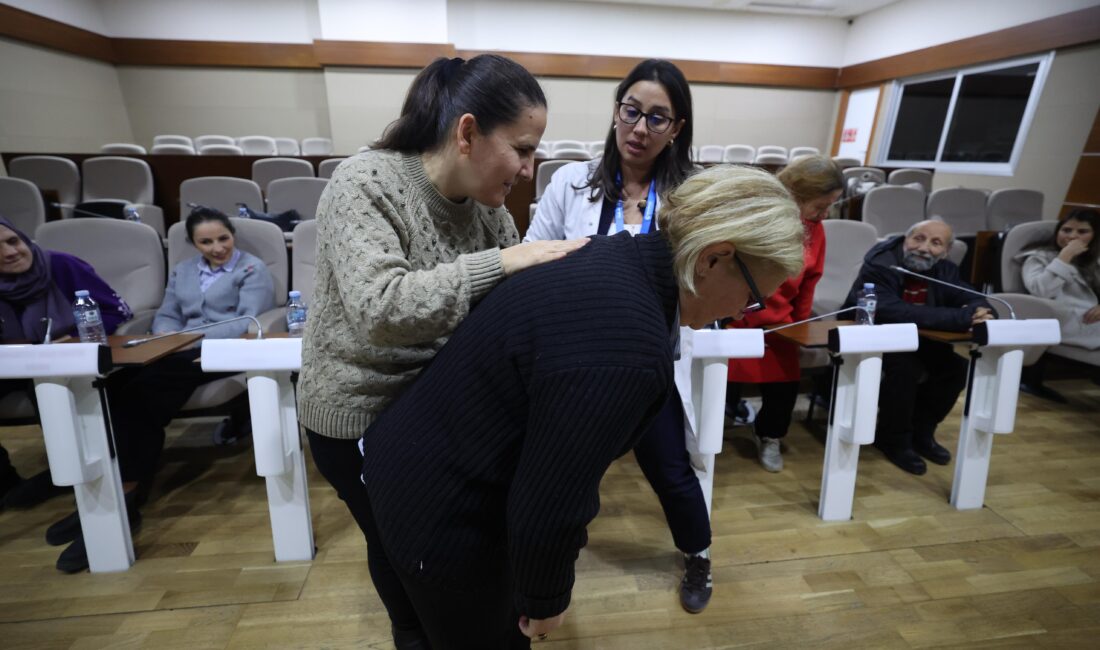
(380, 55)
(841, 113)
(37, 30)
(142, 51)
(1066, 30)
(617, 67)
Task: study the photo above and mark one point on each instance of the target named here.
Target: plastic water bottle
(89, 321)
(296, 315)
(868, 301)
(242, 211)
(132, 214)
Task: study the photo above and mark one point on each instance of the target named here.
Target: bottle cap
(868, 285)
(82, 293)
(295, 294)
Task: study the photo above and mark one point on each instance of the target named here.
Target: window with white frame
(969, 121)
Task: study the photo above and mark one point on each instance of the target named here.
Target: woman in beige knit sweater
(410, 236)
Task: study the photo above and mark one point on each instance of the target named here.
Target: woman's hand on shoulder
(522, 256)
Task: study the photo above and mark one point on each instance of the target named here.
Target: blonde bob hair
(746, 207)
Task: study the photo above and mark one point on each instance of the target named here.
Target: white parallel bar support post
(992, 391)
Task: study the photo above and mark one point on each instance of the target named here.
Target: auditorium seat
(1015, 241)
(907, 176)
(739, 153)
(172, 150)
(802, 151)
(21, 203)
(595, 148)
(711, 153)
(327, 166)
(776, 159)
(52, 173)
(304, 269)
(570, 153)
(847, 243)
(845, 162)
(545, 172)
(221, 150)
(117, 177)
(222, 193)
(1010, 207)
(204, 140)
(316, 147)
(772, 148)
(173, 139)
(959, 207)
(287, 147)
(128, 256)
(891, 209)
(266, 170)
(863, 175)
(258, 145)
(567, 145)
(301, 194)
(122, 148)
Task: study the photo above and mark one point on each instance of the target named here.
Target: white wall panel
(409, 21)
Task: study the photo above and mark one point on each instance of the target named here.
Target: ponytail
(491, 88)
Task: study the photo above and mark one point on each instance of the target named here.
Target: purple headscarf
(26, 298)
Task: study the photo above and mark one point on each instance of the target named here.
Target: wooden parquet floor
(907, 571)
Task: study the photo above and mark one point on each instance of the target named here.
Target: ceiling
(823, 8)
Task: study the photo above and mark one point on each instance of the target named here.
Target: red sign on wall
(848, 135)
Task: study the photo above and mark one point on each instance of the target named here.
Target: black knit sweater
(492, 460)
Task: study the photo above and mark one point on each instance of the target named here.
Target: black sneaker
(697, 585)
(64, 530)
(905, 458)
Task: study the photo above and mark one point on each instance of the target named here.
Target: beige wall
(53, 102)
(362, 102)
(1057, 136)
(234, 102)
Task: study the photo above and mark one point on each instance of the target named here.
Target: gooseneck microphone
(137, 342)
(906, 271)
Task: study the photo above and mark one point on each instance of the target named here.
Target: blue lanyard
(650, 207)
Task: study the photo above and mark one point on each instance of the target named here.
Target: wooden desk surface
(811, 335)
(946, 337)
(147, 353)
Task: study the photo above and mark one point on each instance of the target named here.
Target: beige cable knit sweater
(398, 268)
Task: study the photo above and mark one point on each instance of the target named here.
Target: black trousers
(918, 390)
(142, 403)
(663, 456)
(341, 463)
(777, 398)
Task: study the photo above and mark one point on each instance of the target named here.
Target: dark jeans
(142, 403)
(662, 454)
(778, 398)
(340, 462)
(918, 390)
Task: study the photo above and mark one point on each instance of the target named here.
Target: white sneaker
(768, 451)
(742, 415)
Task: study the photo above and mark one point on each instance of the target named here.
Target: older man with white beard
(919, 388)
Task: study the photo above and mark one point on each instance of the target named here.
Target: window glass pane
(988, 113)
(920, 120)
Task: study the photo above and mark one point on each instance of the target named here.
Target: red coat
(791, 302)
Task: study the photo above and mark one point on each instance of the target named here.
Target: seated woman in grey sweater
(220, 283)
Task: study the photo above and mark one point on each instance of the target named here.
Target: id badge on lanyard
(650, 207)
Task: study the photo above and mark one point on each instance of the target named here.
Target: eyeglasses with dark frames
(655, 122)
(757, 300)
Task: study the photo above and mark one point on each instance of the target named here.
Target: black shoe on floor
(74, 558)
(905, 458)
(697, 585)
(932, 450)
(33, 491)
(64, 530)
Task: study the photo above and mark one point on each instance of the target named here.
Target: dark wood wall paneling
(1084, 189)
(1067, 30)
